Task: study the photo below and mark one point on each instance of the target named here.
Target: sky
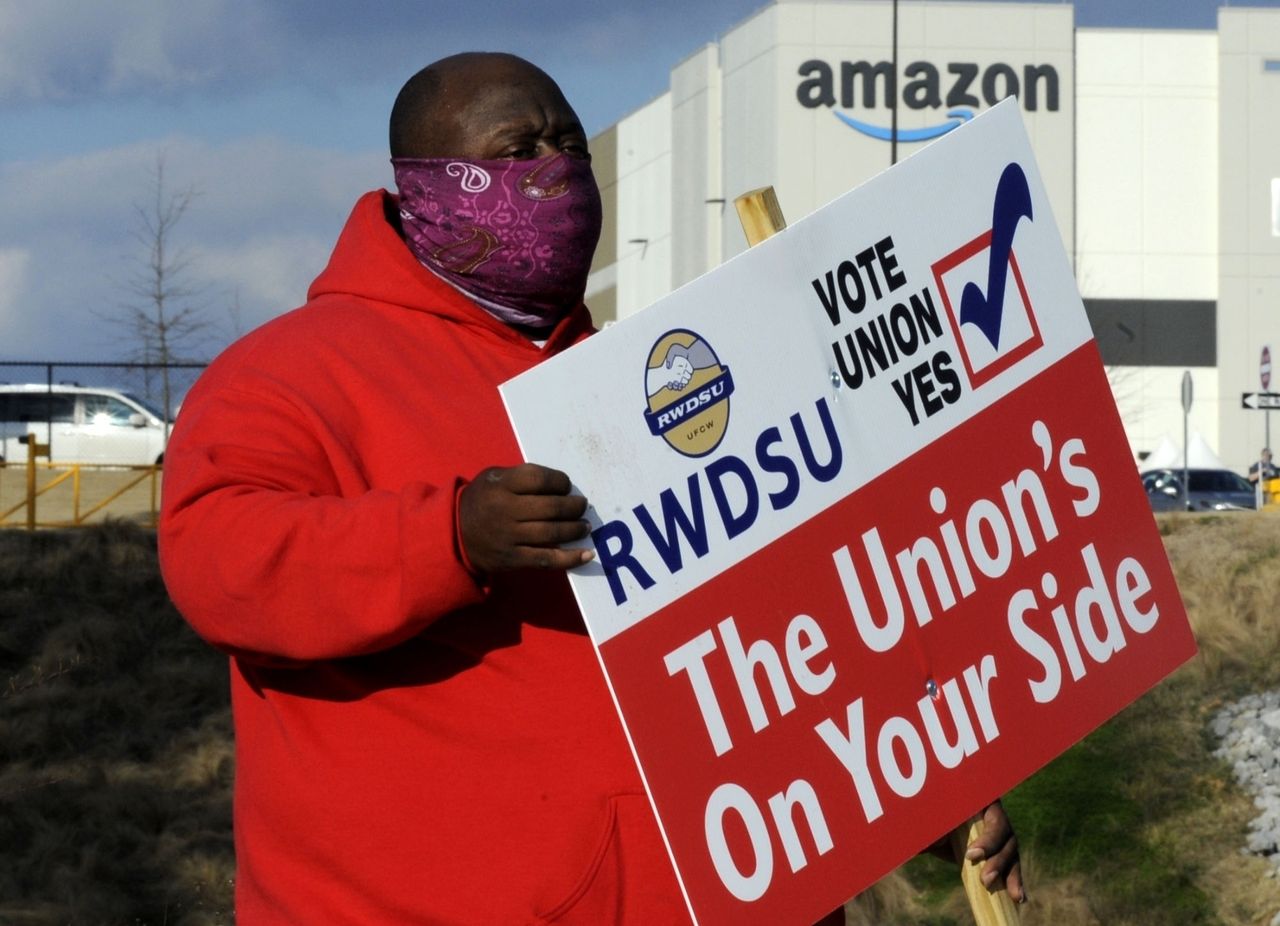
(272, 115)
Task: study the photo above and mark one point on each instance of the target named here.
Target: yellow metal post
(761, 217)
(34, 449)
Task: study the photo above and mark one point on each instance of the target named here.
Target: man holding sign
(423, 732)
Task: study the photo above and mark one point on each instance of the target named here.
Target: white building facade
(1160, 151)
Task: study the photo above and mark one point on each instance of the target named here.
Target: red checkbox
(982, 362)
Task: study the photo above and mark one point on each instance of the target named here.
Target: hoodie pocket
(628, 880)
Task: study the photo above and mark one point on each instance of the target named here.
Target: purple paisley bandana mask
(518, 234)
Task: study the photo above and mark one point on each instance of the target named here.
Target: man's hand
(999, 846)
(518, 517)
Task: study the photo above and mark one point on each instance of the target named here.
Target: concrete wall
(639, 223)
(602, 284)
(698, 205)
(1249, 265)
(1146, 202)
(1147, 164)
(644, 206)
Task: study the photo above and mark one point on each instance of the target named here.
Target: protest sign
(871, 548)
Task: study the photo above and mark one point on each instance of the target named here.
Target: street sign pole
(1264, 376)
(1186, 416)
(1259, 493)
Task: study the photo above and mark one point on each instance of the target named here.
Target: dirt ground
(97, 493)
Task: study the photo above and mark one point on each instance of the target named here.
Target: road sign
(1264, 368)
(1186, 391)
(1260, 400)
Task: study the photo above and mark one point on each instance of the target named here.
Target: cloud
(72, 51)
(13, 272)
(264, 274)
(265, 210)
(264, 216)
(66, 50)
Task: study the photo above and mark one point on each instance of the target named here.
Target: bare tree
(162, 319)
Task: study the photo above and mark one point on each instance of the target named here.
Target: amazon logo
(961, 87)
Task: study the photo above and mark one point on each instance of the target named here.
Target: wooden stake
(760, 215)
(761, 218)
(989, 909)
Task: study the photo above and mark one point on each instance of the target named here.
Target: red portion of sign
(1051, 606)
(1264, 368)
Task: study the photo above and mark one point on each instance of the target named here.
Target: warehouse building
(1160, 151)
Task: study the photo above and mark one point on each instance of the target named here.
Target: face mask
(518, 234)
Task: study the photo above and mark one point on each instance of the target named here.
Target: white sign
(1260, 400)
(793, 328)
(869, 544)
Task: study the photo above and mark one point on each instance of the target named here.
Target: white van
(83, 424)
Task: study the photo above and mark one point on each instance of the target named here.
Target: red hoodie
(411, 747)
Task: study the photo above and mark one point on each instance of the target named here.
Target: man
(423, 733)
(1263, 467)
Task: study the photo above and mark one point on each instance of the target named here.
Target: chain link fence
(144, 380)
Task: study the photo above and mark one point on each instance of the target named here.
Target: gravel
(1249, 731)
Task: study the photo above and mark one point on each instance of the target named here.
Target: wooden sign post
(761, 218)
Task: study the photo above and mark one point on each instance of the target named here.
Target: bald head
(483, 106)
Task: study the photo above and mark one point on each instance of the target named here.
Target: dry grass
(115, 740)
(892, 899)
(116, 758)
(1228, 570)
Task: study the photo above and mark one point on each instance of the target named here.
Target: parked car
(1210, 490)
(82, 424)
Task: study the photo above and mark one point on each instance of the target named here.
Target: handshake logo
(688, 391)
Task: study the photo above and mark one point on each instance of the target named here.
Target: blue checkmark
(1012, 203)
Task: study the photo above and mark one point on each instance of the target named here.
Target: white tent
(1168, 455)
